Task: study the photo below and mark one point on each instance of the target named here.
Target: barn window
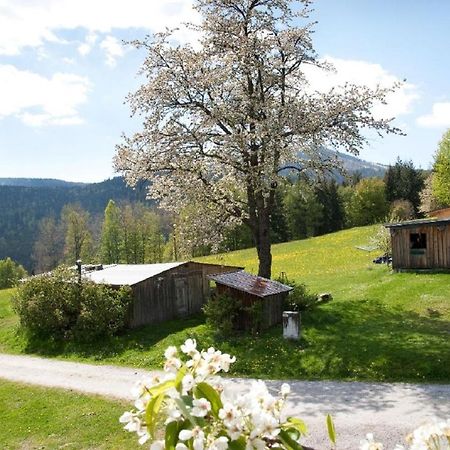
(418, 241)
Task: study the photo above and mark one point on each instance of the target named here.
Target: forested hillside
(24, 202)
(23, 207)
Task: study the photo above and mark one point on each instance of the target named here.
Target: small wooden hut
(420, 244)
(250, 289)
(161, 291)
(443, 213)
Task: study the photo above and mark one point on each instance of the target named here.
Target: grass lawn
(380, 326)
(39, 418)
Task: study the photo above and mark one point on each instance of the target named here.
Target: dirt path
(390, 411)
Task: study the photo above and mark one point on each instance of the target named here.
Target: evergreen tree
(111, 242)
(303, 211)
(404, 182)
(333, 211)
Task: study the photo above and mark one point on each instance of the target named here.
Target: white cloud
(32, 23)
(364, 73)
(113, 50)
(37, 100)
(86, 47)
(439, 117)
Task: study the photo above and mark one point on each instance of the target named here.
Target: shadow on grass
(361, 340)
(139, 339)
(353, 340)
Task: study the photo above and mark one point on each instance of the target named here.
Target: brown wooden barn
(420, 244)
(249, 289)
(161, 291)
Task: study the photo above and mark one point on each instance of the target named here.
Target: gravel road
(390, 411)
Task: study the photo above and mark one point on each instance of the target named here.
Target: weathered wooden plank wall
(435, 256)
(178, 292)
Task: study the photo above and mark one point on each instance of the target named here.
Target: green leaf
(185, 411)
(298, 424)
(238, 444)
(151, 413)
(293, 433)
(161, 388)
(331, 429)
(179, 378)
(171, 437)
(287, 440)
(204, 390)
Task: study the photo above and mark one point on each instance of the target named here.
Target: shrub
(300, 299)
(10, 273)
(56, 306)
(222, 312)
(103, 311)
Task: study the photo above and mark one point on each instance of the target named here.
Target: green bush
(56, 306)
(10, 273)
(300, 299)
(222, 312)
(103, 311)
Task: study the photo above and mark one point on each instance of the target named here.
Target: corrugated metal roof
(128, 274)
(243, 281)
(418, 222)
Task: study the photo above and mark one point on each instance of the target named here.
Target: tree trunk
(263, 245)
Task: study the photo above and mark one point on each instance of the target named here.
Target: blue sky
(64, 75)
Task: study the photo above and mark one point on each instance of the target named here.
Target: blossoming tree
(224, 118)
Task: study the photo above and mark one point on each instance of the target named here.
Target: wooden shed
(443, 213)
(249, 289)
(161, 291)
(420, 244)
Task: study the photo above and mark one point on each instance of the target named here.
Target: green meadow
(380, 325)
(40, 418)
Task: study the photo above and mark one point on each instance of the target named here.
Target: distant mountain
(22, 208)
(38, 182)
(367, 169)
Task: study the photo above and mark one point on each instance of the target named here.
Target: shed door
(181, 296)
(188, 293)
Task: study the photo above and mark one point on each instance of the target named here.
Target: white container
(291, 325)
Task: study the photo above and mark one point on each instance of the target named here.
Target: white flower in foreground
(188, 383)
(170, 352)
(229, 413)
(201, 407)
(144, 437)
(172, 365)
(255, 444)
(132, 421)
(157, 445)
(432, 435)
(219, 444)
(285, 390)
(181, 446)
(198, 437)
(189, 347)
(369, 443)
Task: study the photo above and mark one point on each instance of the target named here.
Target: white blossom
(201, 407)
(170, 352)
(223, 120)
(369, 443)
(285, 389)
(157, 445)
(189, 347)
